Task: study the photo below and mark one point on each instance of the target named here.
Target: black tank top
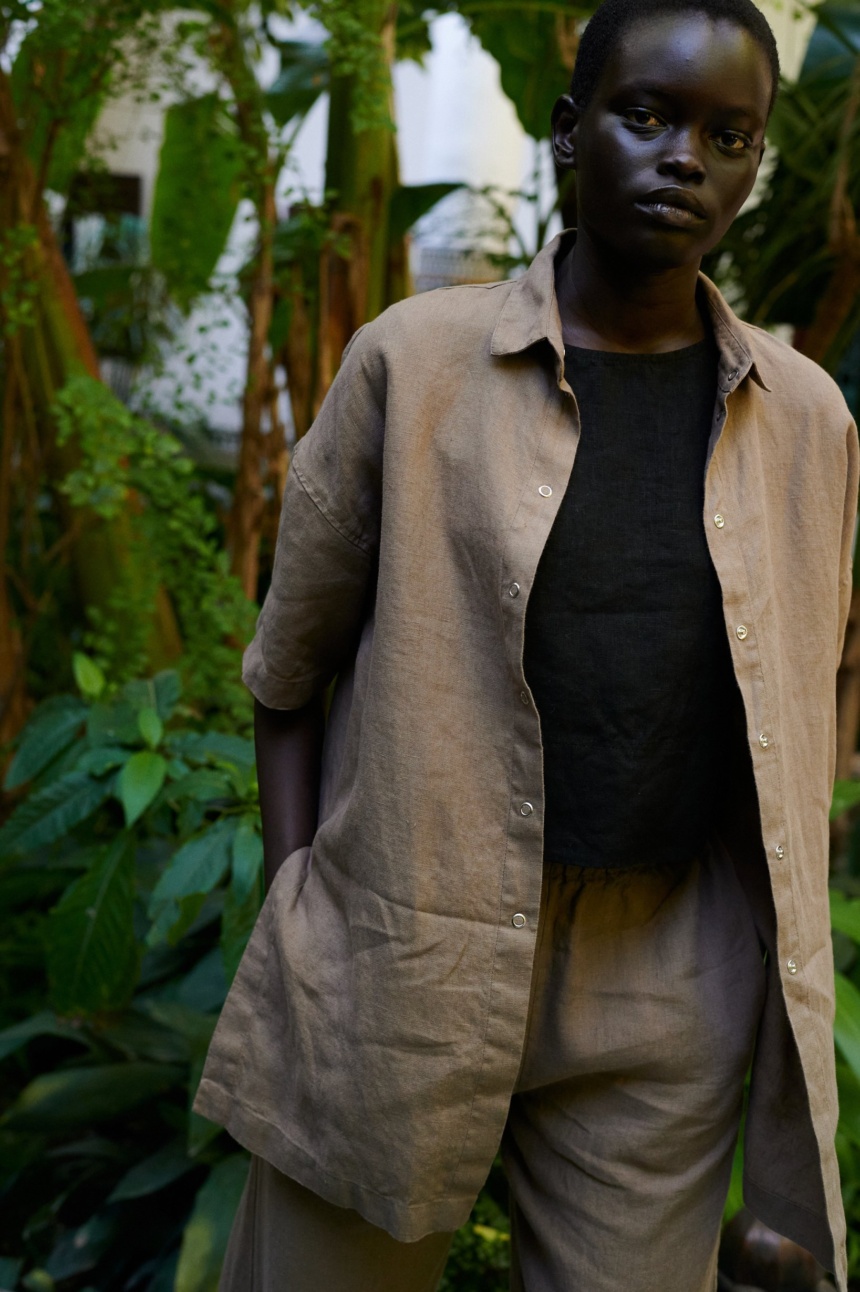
(626, 650)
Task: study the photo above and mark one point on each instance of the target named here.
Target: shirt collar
(531, 314)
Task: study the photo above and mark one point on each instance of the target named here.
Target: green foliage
(303, 77)
(127, 464)
(196, 194)
(104, 1171)
(64, 68)
(204, 1240)
(17, 288)
(356, 53)
(776, 259)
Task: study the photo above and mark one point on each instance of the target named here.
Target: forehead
(690, 54)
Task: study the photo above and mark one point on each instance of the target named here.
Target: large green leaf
(51, 813)
(846, 1028)
(410, 201)
(213, 746)
(196, 195)
(42, 1024)
(139, 781)
(237, 923)
(51, 729)
(154, 1172)
(303, 77)
(247, 857)
(524, 40)
(198, 866)
(92, 950)
(204, 1241)
(73, 1097)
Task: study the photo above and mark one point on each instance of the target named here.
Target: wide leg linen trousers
(646, 996)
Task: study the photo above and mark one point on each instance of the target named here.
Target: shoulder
(797, 381)
(439, 324)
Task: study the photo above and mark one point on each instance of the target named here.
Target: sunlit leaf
(204, 1241)
(151, 727)
(88, 676)
(139, 781)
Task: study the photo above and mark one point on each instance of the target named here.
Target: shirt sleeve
(849, 523)
(328, 535)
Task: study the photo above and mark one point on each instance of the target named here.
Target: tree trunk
(39, 357)
(249, 504)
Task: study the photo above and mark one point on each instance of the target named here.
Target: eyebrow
(662, 92)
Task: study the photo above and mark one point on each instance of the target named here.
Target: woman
(577, 548)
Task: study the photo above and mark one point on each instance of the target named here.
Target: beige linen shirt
(373, 1035)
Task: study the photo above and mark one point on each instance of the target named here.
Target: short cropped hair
(609, 22)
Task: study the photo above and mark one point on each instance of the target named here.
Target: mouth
(676, 207)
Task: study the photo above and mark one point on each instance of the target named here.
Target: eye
(644, 118)
(733, 142)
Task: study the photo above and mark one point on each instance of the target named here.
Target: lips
(677, 207)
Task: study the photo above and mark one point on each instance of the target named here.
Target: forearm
(289, 753)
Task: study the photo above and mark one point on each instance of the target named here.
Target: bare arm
(289, 752)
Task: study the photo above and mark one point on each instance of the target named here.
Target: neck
(610, 305)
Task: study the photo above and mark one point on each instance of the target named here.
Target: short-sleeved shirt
(372, 1037)
(625, 646)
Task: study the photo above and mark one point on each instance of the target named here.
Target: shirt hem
(811, 1229)
(405, 1221)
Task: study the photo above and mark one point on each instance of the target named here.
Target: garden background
(163, 343)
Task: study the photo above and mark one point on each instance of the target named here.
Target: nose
(682, 159)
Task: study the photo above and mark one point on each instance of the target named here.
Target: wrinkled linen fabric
(371, 1041)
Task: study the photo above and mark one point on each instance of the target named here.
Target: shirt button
(791, 966)
(545, 491)
(780, 852)
(742, 631)
(524, 696)
(763, 740)
(526, 809)
(719, 520)
(518, 920)
(733, 374)
(514, 590)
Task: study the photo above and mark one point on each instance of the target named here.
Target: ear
(565, 123)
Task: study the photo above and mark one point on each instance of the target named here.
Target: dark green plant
(130, 877)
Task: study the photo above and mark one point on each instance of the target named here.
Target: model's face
(667, 150)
